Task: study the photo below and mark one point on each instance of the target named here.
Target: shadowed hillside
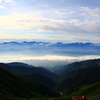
(40, 79)
(79, 77)
(16, 86)
(23, 70)
(77, 65)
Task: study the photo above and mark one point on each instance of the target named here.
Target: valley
(20, 81)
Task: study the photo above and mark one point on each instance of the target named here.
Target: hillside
(15, 86)
(40, 79)
(92, 92)
(34, 86)
(76, 65)
(23, 70)
(78, 77)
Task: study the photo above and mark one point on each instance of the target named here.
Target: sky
(50, 20)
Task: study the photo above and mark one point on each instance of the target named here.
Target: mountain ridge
(59, 43)
(77, 65)
(79, 77)
(23, 70)
(19, 64)
(14, 85)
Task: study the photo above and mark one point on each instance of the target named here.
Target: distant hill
(16, 86)
(78, 77)
(23, 70)
(19, 64)
(76, 65)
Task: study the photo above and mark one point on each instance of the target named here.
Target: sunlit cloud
(11, 2)
(91, 13)
(2, 7)
(12, 58)
(53, 38)
(1, 0)
(29, 21)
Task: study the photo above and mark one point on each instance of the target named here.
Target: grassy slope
(92, 92)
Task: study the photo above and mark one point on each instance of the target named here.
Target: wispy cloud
(90, 13)
(1, 0)
(11, 2)
(52, 37)
(62, 1)
(27, 21)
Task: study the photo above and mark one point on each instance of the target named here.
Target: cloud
(62, 1)
(60, 13)
(11, 2)
(2, 7)
(47, 60)
(52, 37)
(27, 21)
(34, 20)
(90, 13)
(1, 0)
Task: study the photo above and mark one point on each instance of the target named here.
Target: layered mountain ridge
(71, 78)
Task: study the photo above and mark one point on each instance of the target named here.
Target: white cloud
(11, 2)
(52, 37)
(64, 12)
(1, 0)
(60, 13)
(62, 1)
(33, 20)
(91, 13)
(22, 58)
(2, 7)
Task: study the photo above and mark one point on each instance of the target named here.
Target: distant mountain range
(20, 64)
(49, 43)
(46, 48)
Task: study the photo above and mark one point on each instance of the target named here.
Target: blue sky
(50, 20)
